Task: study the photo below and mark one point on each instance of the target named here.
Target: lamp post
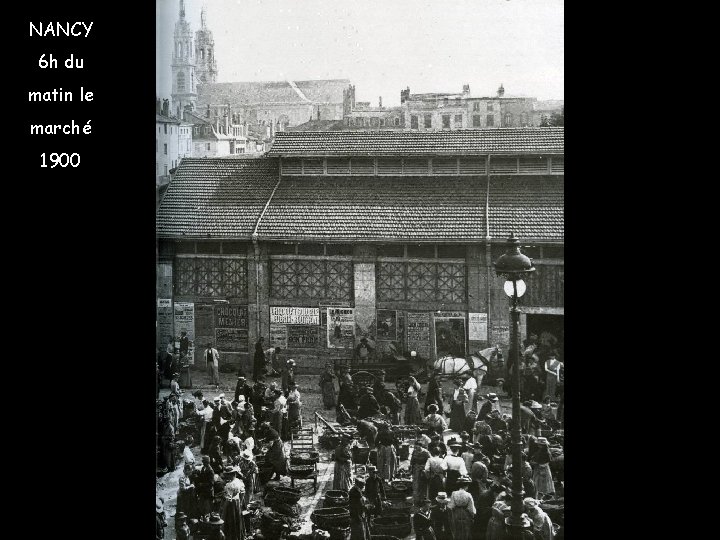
(513, 266)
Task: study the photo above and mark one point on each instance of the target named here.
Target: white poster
(185, 321)
(478, 326)
(294, 315)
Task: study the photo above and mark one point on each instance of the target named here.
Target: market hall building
(333, 236)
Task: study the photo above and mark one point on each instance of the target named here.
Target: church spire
(202, 17)
(182, 9)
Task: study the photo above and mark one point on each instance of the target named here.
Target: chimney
(380, 102)
(227, 124)
(158, 106)
(166, 107)
(501, 91)
(466, 90)
(207, 112)
(404, 95)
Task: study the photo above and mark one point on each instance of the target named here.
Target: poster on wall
(302, 336)
(323, 310)
(185, 322)
(387, 322)
(418, 333)
(477, 323)
(340, 328)
(500, 334)
(165, 332)
(278, 335)
(231, 327)
(294, 315)
(450, 335)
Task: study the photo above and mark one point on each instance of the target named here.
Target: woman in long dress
(542, 477)
(552, 372)
(434, 423)
(434, 393)
(249, 470)
(496, 525)
(327, 386)
(542, 524)
(186, 498)
(386, 455)
(435, 469)
(417, 469)
(413, 416)
(457, 408)
(342, 477)
(463, 510)
(233, 500)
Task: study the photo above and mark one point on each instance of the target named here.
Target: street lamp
(513, 266)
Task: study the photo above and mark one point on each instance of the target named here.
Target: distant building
(216, 138)
(167, 136)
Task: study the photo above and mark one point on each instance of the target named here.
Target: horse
(476, 364)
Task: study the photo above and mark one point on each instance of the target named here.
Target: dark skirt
(328, 393)
(234, 527)
(435, 485)
(457, 416)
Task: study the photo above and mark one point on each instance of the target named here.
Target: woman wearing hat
(342, 476)
(463, 510)
(249, 470)
(215, 524)
(186, 498)
(233, 500)
(496, 525)
(278, 413)
(294, 407)
(276, 455)
(413, 416)
(327, 387)
(435, 468)
(542, 525)
(375, 490)
(422, 524)
(441, 517)
(434, 423)
(418, 459)
(386, 454)
(455, 465)
(540, 461)
(457, 407)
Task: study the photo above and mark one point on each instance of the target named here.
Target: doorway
(550, 330)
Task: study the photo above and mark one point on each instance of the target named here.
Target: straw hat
(442, 497)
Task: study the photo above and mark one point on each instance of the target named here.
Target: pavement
(311, 398)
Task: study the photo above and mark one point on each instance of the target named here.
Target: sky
(382, 46)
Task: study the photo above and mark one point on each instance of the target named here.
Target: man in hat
(204, 486)
(418, 459)
(160, 522)
(487, 406)
(496, 422)
(242, 388)
(222, 418)
(212, 361)
(437, 442)
(422, 524)
(375, 490)
(367, 404)
(379, 387)
(455, 465)
(363, 351)
(394, 406)
(441, 517)
(182, 530)
(357, 504)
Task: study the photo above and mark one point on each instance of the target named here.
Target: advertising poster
(185, 321)
(294, 315)
(340, 328)
(164, 322)
(450, 336)
(387, 322)
(301, 336)
(418, 333)
(478, 330)
(278, 335)
(231, 327)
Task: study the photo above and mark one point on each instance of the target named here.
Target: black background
(80, 291)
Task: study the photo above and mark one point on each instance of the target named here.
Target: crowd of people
(213, 494)
(461, 487)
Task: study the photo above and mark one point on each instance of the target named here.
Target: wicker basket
(304, 458)
(336, 498)
(331, 517)
(301, 471)
(392, 524)
(287, 495)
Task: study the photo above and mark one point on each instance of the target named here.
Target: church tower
(206, 69)
(184, 78)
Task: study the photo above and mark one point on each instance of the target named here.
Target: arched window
(397, 121)
(508, 119)
(202, 54)
(181, 82)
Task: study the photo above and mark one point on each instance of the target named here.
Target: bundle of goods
(336, 533)
(360, 454)
(336, 498)
(399, 489)
(292, 510)
(330, 517)
(402, 474)
(392, 524)
(403, 506)
(304, 458)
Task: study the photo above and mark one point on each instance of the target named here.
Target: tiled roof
(216, 198)
(223, 198)
(379, 143)
(256, 93)
(166, 119)
(342, 208)
(530, 207)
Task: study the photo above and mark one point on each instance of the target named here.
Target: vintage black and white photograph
(360, 269)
